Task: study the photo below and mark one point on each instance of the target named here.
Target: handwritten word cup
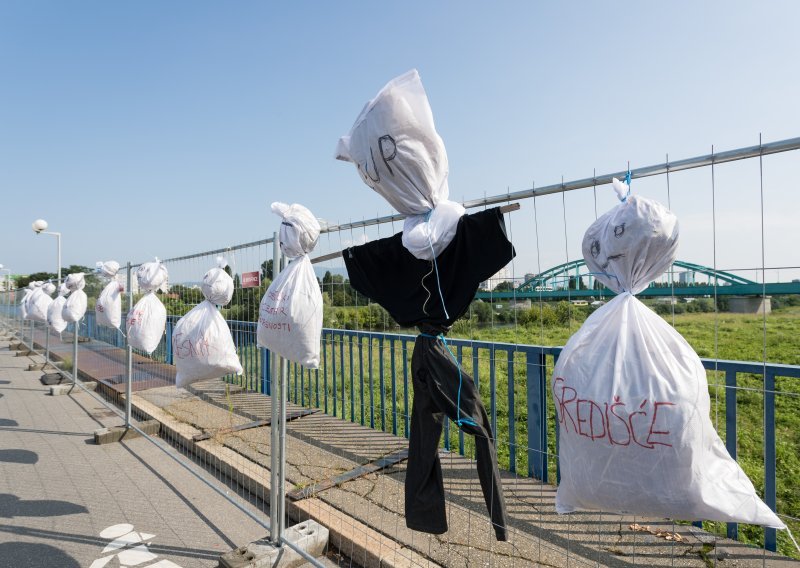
(642, 423)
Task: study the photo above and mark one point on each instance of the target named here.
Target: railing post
(168, 343)
(128, 356)
(537, 414)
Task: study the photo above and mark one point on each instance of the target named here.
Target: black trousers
(435, 377)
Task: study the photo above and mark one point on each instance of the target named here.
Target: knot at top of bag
(34, 285)
(632, 244)
(426, 236)
(396, 149)
(151, 275)
(299, 230)
(108, 268)
(48, 288)
(75, 281)
(217, 284)
(63, 290)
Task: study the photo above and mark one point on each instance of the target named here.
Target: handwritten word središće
(616, 422)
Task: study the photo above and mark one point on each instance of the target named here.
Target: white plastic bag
(632, 397)
(108, 268)
(54, 318)
(108, 309)
(151, 275)
(202, 345)
(399, 154)
(290, 314)
(217, 285)
(75, 306)
(146, 323)
(39, 302)
(26, 295)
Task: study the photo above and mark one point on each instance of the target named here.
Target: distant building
(687, 277)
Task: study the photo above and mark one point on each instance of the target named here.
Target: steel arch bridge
(553, 284)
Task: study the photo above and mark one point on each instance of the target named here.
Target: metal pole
(32, 324)
(275, 494)
(46, 345)
(128, 357)
(58, 240)
(77, 325)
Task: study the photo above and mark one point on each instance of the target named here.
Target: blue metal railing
(377, 392)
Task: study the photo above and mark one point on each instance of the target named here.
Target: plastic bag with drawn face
(632, 244)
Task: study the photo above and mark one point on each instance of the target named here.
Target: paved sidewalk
(63, 499)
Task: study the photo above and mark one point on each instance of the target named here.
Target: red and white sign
(251, 279)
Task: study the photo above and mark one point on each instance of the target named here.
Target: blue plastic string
(436, 266)
(460, 421)
(628, 183)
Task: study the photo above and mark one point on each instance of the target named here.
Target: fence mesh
(348, 422)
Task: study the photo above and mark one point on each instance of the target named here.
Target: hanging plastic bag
(54, 318)
(290, 314)
(108, 309)
(26, 295)
(631, 394)
(399, 154)
(147, 320)
(202, 345)
(39, 302)
(75, 306)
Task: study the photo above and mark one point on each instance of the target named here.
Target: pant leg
(424, 488)
(442, 375)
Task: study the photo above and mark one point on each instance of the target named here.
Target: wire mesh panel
(733, 294)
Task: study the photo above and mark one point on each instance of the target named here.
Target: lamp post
(39, 226)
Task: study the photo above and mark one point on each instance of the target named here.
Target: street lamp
(40, 226)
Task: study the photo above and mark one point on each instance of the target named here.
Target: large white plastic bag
(75, 306)
(146, 323)
(202, 345)
(108, 308)
(54, 318)
(290, 315)
(399, 154)
(632, 397)
(39, 302)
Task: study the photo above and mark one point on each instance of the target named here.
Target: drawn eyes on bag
(619, 230)
(595, 248)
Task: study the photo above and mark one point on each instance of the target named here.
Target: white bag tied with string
(54, 318)
(108, 268)
(147, 320)
(26, 295)
(631, 394)
(202, 345)
(290, 314)
(399, 154)
(39, 302)
(108, 309)
(75, 306)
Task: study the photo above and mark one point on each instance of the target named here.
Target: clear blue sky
(154, 128)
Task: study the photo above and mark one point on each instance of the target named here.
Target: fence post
(128, 355)
(277, 429)
(76, 329)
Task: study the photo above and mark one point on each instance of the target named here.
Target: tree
(266, 270)
(504, 286)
